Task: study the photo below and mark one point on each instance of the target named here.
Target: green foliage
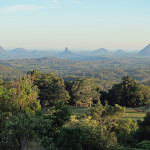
(21, 124)
(107, 113)
(105, 71)
(80, 134)
(61, 114)
(8, 73)
(18, 132)
(49, 126)
(21, 130)
(92, 133)
(82, 91)
(72, 139)
(51, 88)
(125, 130)
(5, 103)
(25, 96)
(123, 148)
(144, 128)
(107, 116)
(20, 96)
(128, 93)
(144, 144)
(16, 98)
(6, 108)
(45, 131)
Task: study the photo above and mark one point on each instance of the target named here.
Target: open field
(131, 113)
(134, 113)
(80, 110)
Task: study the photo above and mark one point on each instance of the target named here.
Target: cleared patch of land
(80, 110)
(131, 113)
(135, 113)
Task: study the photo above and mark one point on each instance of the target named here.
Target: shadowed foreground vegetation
(41, 111)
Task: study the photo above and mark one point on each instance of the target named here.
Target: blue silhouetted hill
(145, 51)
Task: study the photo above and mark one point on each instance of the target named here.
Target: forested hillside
(106, 72)
(9, 73)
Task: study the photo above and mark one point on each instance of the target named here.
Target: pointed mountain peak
(119, 51)
(67, 51)
(101, 50)
(66, 54)
(2, 49)
(148, 45)
(145, 51)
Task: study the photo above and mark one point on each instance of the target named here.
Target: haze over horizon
(78, 24)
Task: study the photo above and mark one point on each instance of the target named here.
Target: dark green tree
(83, 91)
(125, 130)
(143, 132)
(48, 126)
(72, 138)
(106, 116)
(128, 93)
(25, 96)
(18, 132)
(51, 88)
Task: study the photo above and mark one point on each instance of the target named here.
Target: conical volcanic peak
(2, 49)
(145, 51)
(102, 51)
(67, 51)
(120, 52)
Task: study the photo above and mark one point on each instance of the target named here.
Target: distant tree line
(106, 72)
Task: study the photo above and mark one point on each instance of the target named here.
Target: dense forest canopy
(9, 73)
(23, 125)
(128, 93)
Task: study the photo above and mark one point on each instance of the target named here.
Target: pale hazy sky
(78, 24)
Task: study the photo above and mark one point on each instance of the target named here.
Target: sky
(77, 24)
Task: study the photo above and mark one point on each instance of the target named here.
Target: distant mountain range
(99, 54)
(20, 53)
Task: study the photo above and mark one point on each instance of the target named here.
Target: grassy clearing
(148, 109)
(131, 113)
(80, 110)
(134, 113)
